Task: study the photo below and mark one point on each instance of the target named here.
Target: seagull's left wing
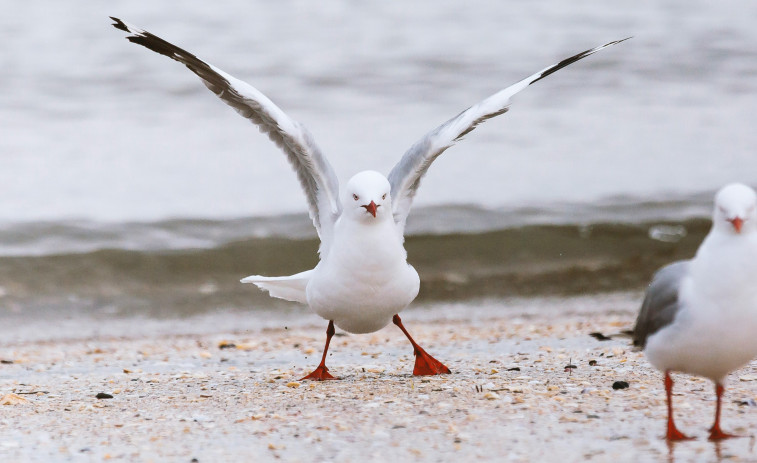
(661, 301)
(406, 175)
(313, 170)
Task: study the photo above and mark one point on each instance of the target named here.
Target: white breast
(365, 279)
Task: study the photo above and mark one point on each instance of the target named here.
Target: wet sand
(177, 395)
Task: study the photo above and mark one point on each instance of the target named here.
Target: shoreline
(177, 395)
(120, 279)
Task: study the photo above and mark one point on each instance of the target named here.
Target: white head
(735, 209)
(367, 197)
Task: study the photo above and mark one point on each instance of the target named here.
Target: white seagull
(699, 316)
(363, 279)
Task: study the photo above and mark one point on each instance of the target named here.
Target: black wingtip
(615, 42)
(118, 24)
(576, 57)
(150, 41)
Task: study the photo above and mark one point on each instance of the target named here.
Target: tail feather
(290, 288)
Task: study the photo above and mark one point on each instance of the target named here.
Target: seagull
(699, 316)
(362, 280)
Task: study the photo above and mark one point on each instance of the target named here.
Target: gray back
(661, 303)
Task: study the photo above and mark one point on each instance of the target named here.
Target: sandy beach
(224, 387)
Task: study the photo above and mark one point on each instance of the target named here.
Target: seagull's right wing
(406, 175)
(313, 170)
(661, 303)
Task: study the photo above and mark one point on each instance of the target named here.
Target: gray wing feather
(313, 170)
(405, 177)
(661, 303)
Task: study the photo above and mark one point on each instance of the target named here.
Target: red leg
(715, 432)
(321, 373)
(673, 433)
(424, 363)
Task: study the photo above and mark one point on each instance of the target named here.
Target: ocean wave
(190, 267)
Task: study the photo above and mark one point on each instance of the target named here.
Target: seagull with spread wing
(363, 279)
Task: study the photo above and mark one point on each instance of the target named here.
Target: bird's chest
(372, 252)
(366, 269)
(722, 294)
(367, 265)
(727, 278)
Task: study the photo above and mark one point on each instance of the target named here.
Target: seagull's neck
(726, 257)
(379, 224)
(723, 244)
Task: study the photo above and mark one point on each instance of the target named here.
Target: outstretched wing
(406, 175)
(313, 170)
(661, 302)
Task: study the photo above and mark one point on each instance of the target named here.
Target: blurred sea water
(97, 128)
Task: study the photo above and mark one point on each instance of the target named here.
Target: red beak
(737, 223)
(371, 208)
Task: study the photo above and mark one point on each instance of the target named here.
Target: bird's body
(700, 316)
(363, 279)
(715, 331)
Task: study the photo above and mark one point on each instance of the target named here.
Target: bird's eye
(384, 197)
(355, 197)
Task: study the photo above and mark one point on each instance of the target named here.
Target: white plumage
(700, 316)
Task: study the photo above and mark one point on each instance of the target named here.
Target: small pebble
(599, 336)
(102, 395)
(620, 385)
(12, 399)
